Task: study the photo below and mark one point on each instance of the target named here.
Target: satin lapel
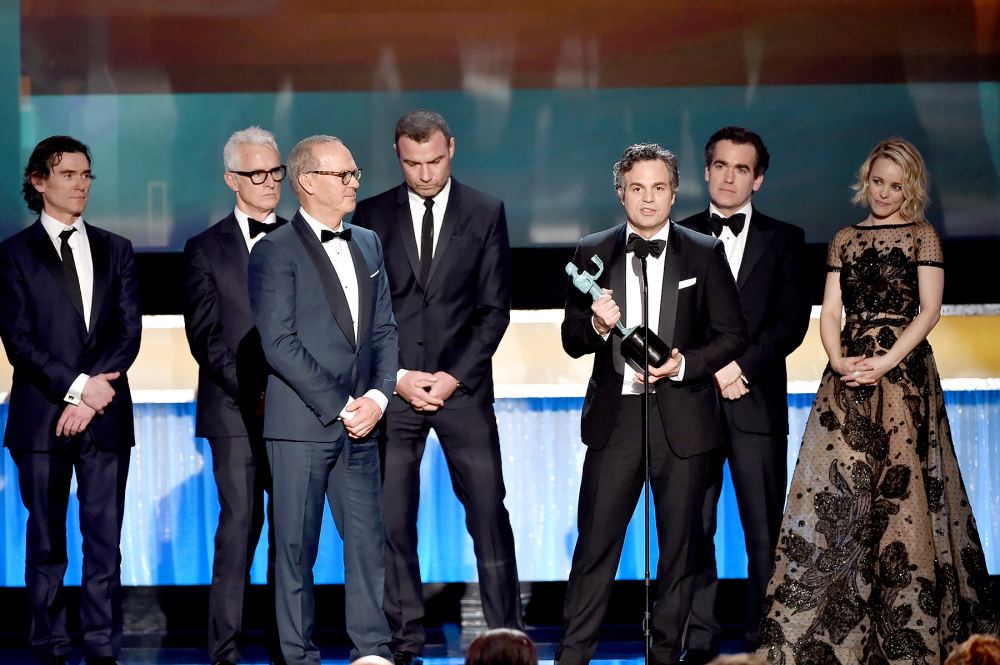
(668, 293)
(448, 227)
(332, 288)
(404, 229)
(364, 290)
(234, 245)
(614, 265)
(701, 226)
(758, 239)
(48, 256)
(100, 254)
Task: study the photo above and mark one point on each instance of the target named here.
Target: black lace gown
(879, 559)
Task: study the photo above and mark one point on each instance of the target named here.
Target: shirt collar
(53, 227)
(317, 226)
(747, 210)
(440, 199)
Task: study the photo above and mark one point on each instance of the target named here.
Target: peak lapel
(48, 256)
(758, 238)
(615, 265)
(100, 254)
(671, 279)
(448, 226)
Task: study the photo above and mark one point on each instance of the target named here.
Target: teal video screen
(546, 152)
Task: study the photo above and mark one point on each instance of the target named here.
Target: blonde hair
(977, 650)
(916, 184)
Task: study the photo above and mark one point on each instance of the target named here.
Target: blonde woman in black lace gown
(879, 558)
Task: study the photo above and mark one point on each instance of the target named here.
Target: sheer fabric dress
(879, 559)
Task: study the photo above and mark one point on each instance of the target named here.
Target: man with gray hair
(231, 376)
(695, 309)
(320, 298)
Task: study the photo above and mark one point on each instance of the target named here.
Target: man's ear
(231, 181)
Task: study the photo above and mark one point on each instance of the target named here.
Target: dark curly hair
(419, 125)
(46, 155)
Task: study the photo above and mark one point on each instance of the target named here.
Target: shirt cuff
(75, 392)
(680, 372)
(594, 326)
(374, 395)
(400, 373)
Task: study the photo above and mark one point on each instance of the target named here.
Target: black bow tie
(735, 223)
(326, 236)
(256, 228)
(642, 247)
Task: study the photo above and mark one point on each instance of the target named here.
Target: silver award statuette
(631, 337)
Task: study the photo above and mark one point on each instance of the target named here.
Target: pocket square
(684, 283)
(374, 273)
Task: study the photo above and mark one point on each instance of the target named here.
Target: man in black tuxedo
(767, 259)
(70, 321)
(231, 377)
(448, 259)
(320, 299)
(694, 309)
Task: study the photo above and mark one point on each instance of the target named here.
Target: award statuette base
(632, 347)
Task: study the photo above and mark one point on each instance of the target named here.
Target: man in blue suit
(320, 299)
(70, 322)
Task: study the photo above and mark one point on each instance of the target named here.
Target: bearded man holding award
(694, 312)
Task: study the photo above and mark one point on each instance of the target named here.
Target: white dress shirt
(734, 244)
(417, 209)
(339, 253)
(243, 220)
(80, 245)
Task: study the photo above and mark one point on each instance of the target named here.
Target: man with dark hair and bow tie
(766, 258)
(320, 298)
(694, 308)
(70, 321)
(231, 376)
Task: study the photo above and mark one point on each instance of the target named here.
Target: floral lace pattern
(879, 558)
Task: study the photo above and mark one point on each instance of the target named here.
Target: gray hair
(645, 152)
(301, 159)
(252, 135)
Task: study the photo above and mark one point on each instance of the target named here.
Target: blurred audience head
(977, 650)
(371, 660)
(502, 646)
(738, 659)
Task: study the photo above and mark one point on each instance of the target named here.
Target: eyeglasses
(345, 176)
(258, 177)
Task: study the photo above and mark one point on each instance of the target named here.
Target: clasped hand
(857, 371)
(424, 391)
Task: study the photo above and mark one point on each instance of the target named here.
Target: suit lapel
(758, 237)
(404, 227)
(48, 256)
(364, 291)
(615, 264)
(448, 226)
(234, 245)
(332, 288)
(100, 254)
(668, 292)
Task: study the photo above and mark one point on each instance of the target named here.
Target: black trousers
(609, 491)
(471, 446)
(242, 477)
(758, 467)
(44, 479)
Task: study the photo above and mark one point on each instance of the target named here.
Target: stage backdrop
(172, 505)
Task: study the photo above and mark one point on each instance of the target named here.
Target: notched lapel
(100, 254)
(757, 241)
(49, 257)
(404, 229)
(332, 288)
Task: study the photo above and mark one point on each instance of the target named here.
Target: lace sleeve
(928, 246)
(835, 252)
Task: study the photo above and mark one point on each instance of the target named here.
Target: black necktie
(735, 223)
(69, 269)
(426, 241)
(651, 247)
(256, 227)
(327, 236)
